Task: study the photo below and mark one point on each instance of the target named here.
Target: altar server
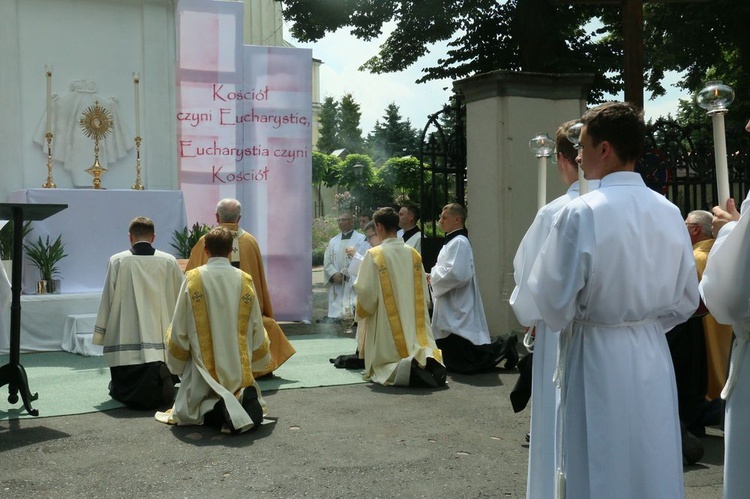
(392, 297)
(138, 299)
(216, 341)
(246, 257)
(617, 271)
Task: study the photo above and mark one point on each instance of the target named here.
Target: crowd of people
(629, 310)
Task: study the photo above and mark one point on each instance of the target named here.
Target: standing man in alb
(544, 393)
(216, 341)
(138, 299)
(617, 271)
(246, 257)
(408, 216)
(341, 294)
(458, 320)
(392, 296)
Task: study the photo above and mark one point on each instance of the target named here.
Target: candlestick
(137, 186)
(715, 97)
(542, 146)
(136, 83)
(48, 71)
(50, 184)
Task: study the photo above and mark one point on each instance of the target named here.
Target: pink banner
(244, 122)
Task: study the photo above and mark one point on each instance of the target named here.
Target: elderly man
(216, 341)
(599, 277)
(341, 295)
(392, 297)
(246, 257)
(408, 216)
(458, 320)
(138, 299)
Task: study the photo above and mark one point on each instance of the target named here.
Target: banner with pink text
(244, 118)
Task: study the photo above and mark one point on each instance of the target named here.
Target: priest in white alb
(216, 341)
(392, 296)
(341, 294)
(138, 299)
(616, 272)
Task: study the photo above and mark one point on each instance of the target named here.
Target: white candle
(48, 70)
(542, 182)
(136, 82)
(720, 152)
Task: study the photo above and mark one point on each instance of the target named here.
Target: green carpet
(72, 384)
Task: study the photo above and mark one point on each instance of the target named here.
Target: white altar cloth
(94, 227)
(43, 319)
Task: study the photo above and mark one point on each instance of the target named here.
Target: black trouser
(687, 344)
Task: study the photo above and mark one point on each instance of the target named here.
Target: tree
(328, 132)
(350, 135)
(482, 35)
(324, 171)
(402, 175)
(394, 137)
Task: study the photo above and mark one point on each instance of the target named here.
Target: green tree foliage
(348, 177)
(482, 35)
(324, 172)
(328, 132)
(350, 134)
(393, 137)
(401, 175)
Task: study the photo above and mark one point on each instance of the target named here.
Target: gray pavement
(345, 441)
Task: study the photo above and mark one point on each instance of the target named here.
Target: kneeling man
(396, 338)
(215, 342)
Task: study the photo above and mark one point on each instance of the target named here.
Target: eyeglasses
(367, 238)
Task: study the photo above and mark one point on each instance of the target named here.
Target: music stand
(13, 374)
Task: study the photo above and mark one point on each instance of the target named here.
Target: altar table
(95, 226)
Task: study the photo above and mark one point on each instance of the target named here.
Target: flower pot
(48, 287)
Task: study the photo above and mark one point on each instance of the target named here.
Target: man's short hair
(218, 241)
(413, 209)
(369, 226)
(388, 218)
(563, 144)
(457, 210)
(141, 228)
(228, 210)
(619, 123)
(703, 219)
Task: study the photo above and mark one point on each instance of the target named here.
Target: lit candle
(720, 152)
(48, 70)
(541, 193)
(583, 184)
(136, 82)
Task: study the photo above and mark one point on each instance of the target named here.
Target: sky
(342, 54)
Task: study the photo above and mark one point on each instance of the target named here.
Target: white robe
(540, 482)
(415, 241)
(218, 347)
(619, 265)
(458, 305)
(725, 293)
(138, 300)
(341, 296)
(383, 363)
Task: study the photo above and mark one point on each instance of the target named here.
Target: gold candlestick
(138, 186)
(50, 184)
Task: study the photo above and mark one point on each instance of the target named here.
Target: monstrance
(96, 123)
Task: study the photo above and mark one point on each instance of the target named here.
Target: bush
(323, 229)
(317, 256)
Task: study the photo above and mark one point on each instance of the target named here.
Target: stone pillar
(504, 110)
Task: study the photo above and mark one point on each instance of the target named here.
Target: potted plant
(45, 256)
(184, 240)
(6, 244)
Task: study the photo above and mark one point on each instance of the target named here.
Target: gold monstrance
(96, 123)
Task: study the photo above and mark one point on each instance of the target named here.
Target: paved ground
(348, 441)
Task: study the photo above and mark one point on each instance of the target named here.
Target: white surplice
(415, 241)
(209, 347)
(724, 288)
(618, 268)
(383, 362)
(458, 305)
(341, 296)
(540, 482)
(138, 300)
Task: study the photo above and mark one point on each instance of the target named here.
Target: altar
(94, 227)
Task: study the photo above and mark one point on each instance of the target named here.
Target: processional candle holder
(543, 147)
(138, 186)
(96, 123)
(574, 136)
(715, 98)
(50, 184)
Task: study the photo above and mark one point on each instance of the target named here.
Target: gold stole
(203, 327)
(391, 307)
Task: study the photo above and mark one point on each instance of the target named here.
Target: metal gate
(442, 157)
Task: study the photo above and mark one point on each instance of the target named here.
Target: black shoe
(510, 354)
(252, 406)
(692, 448)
